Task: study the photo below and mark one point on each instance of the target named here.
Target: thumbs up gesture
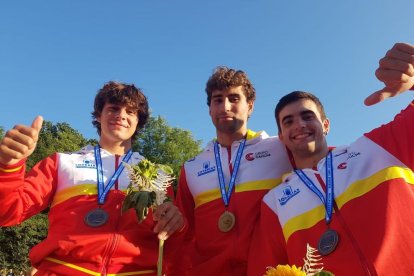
(20, 142)
(396, 71)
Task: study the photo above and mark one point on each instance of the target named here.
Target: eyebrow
(228, 95)
(302, 113)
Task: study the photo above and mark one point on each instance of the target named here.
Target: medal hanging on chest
(98, 216)
(330, 238)
(227, 220)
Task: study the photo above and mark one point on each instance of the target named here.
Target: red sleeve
(397, 136)
(267, 246)
(185, 203)
(24, 196)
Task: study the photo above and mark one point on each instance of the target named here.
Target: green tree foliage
(167, 145)
(1, 132)
(16, 241)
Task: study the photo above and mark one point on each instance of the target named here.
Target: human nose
(226, 105)
(299, 123)
(121, 113)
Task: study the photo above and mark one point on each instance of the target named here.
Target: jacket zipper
(115, 237)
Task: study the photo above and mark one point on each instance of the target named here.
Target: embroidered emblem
(86, 164)
(288, 193)
(206, 169)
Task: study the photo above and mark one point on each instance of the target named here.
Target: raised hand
(20, 142)
(396, 71)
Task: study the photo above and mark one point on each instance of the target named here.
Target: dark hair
(296, 96)
(225, 78)
(122, 94)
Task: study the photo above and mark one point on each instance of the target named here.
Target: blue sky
(55, 55)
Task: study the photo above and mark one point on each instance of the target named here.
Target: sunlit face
(118, 123)
(229, 111)
(302, 129)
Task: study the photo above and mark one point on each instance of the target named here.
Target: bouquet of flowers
(147, 189)
(312, 266)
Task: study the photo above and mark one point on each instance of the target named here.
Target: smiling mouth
(118, 125)
(301, 136)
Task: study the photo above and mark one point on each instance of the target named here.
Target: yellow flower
(285, 270)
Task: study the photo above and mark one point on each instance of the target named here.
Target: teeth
(301, 136)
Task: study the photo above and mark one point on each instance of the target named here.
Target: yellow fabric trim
(211, 195)
(304, 221)
(356, 189)
(363, 186)
(87, 271)
(10, 170)
(83, 189)
(251, 134)
(90, 272)
(141, 272)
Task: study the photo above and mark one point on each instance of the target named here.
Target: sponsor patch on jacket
(352, 155)
(255, 155)
(86, 164)
(288, 193)
(342, 166)
(206, 168)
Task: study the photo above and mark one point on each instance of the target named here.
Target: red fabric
(374, 226)
(120, 245)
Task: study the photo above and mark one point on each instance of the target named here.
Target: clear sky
(55, 55)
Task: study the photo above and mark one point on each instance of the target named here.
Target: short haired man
(352, 203)
(220, 190)
(88, 234)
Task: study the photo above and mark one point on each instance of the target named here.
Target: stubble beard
(229, 127)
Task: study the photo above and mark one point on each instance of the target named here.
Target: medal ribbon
(102, 190)
(226, 194)
(328, 202)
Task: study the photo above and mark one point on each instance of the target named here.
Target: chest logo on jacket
(86, 164)
(207, 168)
(261, 154)
(288, 193)
(353, 154)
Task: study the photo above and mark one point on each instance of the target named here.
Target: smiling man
(88, 234)
(220, 190)
(352, 204)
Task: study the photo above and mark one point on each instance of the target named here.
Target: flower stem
(160, 253)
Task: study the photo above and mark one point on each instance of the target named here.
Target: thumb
(378, 96)
(37, 123)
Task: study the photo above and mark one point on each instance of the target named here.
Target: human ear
(326, 126)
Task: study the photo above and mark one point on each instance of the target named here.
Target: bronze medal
(226, 221)
(328, 242)
(96, 217)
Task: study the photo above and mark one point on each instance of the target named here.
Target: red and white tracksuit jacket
(212, 252)
(67, 183)
(374, 196)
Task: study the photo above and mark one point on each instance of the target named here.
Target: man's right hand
(20, 142)
(396, 71)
